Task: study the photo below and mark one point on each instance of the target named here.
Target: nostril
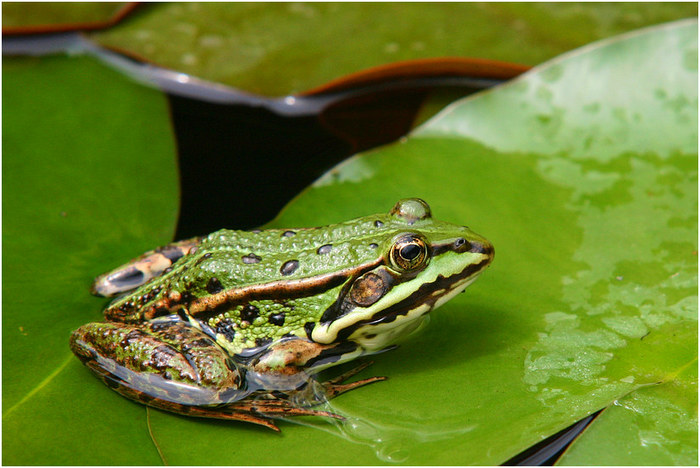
(461, 245)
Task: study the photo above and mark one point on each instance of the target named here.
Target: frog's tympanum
(232, 325)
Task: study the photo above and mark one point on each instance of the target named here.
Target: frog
(236, 325)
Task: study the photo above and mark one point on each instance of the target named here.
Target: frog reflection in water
(232, 325)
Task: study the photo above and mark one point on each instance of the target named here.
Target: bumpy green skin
(275, 302)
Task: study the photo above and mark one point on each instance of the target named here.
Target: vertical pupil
(410, 251)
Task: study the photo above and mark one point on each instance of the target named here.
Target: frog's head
(422, 264)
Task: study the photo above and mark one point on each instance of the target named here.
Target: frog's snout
(482, 247)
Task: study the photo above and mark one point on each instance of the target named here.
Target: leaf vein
(41, 385)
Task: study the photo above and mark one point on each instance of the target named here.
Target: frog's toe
(335, 386)
(281, 408)
(333, 390)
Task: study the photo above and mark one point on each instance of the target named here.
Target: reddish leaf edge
(422, 68)
(118, 16)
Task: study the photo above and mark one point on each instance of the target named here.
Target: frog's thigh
(143, 268)
(168, 361)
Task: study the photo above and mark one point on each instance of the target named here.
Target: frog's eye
(409, 253)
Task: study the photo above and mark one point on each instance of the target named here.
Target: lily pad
(588, 188)
(655, 425)
(89, 178)
(583, 173)
(266, 48)
(40, 17)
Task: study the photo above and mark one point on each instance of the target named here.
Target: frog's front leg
(143, 268)
(172, 366)
(300, 356)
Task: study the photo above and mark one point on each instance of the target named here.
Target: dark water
(240, 164)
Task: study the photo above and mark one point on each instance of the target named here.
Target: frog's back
(228, 260)
(242, 258)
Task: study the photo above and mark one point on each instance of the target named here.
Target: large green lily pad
(88, 178)
(267, 48)
(583, 173)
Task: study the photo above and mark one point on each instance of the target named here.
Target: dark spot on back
(289, 267)
(262, 341)
(251, 258)
(276, 319)
(373, 245)
(214, 285)
(324, 249)
(225, 327)
(378, 223)
(187, 297)
(249, 313)
(288, 233)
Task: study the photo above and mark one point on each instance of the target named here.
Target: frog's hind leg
(173, 366)
(215, 412)
(254, 411)
(142, 269)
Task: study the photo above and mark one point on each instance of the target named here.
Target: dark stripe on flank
(421, 296)
(291, 289)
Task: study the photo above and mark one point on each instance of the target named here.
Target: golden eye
(409, 253)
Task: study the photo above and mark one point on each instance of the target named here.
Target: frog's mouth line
(424, 295)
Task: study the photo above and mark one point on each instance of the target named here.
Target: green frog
(234, 324)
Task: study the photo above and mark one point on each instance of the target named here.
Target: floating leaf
(583, 173)
(267, 48)
(42, 17)
(88, 179)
